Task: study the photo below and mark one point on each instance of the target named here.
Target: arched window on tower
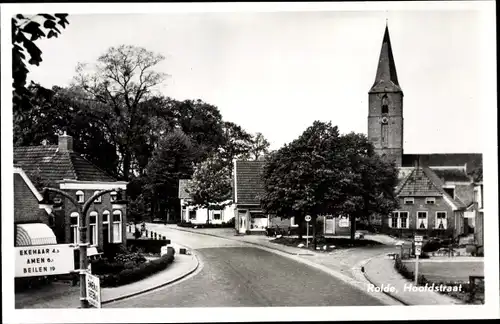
(385, 105)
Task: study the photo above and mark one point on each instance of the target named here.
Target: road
(234, 274)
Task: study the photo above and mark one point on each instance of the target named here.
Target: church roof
(386, 79)
(467, 160)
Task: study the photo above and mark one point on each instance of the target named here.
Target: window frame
(75, 227)
(409, 201)
(93, 227)
(217, 212)
(106, 212)
(398, 219)
(436, 225)
(119, 223)
(80, 196)
(428, 199)
(426, 219)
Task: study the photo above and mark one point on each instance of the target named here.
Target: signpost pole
(307, 235)
(416, 270)
(308, 219)
(418, 251)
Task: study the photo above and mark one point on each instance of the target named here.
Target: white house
(194, 215)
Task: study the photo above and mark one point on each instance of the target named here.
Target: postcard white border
(180, 315)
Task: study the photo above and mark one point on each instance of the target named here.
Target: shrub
(139, 272)
(431, 246)
(147, 246)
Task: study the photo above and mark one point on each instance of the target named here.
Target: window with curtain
(441, 221)
(422, 220)
(93, 229)
(74, 221)
(117, 226)
(105, 226)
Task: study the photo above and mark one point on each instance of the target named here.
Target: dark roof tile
(53, 165)
(249, 183)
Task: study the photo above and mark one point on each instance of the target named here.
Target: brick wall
(26, 204)
(394, 147)
(104, 205)
(431, 209)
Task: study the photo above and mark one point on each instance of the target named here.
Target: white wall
(201, 214)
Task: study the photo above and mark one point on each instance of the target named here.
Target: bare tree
(121, 79)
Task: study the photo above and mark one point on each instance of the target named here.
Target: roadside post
(418, 251)
(308, 219)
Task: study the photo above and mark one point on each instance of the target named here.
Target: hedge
(140, 272)
(147, 245)
(229, 224)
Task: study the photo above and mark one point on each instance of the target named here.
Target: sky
(277, 72)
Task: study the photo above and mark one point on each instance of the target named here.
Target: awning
(34, 234)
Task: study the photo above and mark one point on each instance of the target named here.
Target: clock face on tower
(384, 120)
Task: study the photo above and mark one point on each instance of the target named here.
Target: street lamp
(50, 205)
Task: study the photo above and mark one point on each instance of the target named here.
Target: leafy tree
(371, 182)
(25, 31)
(477, 172)
(121, 80)
(203, 124)
(237, 143)
(260, 146)
(172, 160)
(323, 173)
(210, 186)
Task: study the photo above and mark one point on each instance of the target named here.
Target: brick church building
(436, 191)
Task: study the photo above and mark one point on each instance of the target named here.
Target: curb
(104, 302)
(231, 239)
(364, 263)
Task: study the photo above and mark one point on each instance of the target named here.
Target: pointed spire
(386, 79)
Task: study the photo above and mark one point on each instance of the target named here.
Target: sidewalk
(380, 272)
(64, 295)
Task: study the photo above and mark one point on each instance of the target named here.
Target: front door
(329, 225)
(243, 222)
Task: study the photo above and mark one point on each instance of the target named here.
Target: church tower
(385, 100)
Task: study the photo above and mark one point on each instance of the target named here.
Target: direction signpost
(93, 290)
(308, 219)
(418, 250)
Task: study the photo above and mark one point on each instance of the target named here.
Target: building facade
(219, 214)
(58, 166)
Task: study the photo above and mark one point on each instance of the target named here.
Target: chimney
(65, 143)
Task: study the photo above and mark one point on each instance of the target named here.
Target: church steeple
(386, 79)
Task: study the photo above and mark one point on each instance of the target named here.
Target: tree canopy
(323, 172)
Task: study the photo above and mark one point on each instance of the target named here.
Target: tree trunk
(208, 215)
(353, 226)
(127, 160)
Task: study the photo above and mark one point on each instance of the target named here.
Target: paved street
(241, 276)
(234, 274)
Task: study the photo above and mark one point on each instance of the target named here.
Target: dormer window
(430, 200)
(98, 199)
(80, 196)
(113, 196)
(409, 201)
